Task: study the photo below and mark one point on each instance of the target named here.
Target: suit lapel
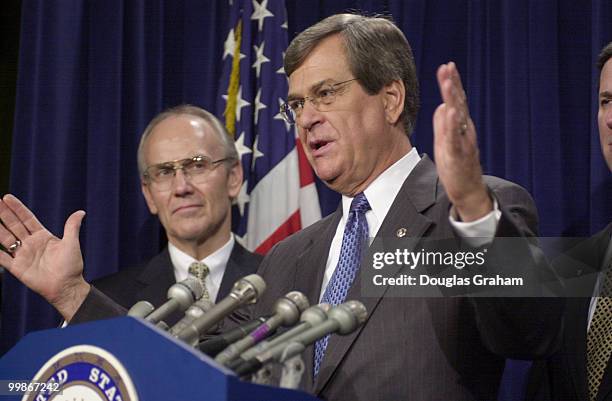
(156, 278)
(417, 194)
(237, 267)
(308, 277)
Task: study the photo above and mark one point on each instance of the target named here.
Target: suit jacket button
(401, 232)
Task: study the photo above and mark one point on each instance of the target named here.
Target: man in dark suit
(353, 96)
(582, 369)
(190, 174)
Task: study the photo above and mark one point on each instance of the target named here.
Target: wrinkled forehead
(325, 63)
(181, 137)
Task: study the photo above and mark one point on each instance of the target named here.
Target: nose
(181, 183)
(309, 116)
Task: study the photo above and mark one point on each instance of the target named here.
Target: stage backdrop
(92, 73)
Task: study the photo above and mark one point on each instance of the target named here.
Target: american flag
(278, 196)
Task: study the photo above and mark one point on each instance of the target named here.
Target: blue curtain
(92, 73)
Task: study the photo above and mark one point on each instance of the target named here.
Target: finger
(11, 222)
(451, 89)
(27, 218)
(6, 237)
(454, 129)
(6, 261)
(73, 225)
(442, 74)
(455, 77)
(439, 123)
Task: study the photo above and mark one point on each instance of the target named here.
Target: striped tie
(353, 241)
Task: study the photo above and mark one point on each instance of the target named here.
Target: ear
(234, 180)
(394, 95)
(146, 192)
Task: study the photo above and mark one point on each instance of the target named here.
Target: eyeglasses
(323, 97)
(195, 168)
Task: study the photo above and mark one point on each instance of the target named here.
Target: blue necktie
(353, 241)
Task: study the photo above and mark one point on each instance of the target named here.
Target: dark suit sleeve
(97, 306)
(520, 327)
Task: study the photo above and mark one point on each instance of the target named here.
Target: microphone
(343, 319)
(180, 296)
(310, 317)
(141, 309)
(287, 312)
(198, 309)
(213, 346)
(246, 290)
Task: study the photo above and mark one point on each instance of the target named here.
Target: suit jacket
(564, 375)
(151, 281)
(416, 348)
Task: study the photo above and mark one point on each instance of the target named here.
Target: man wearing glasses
(190, 173)
(353, 97)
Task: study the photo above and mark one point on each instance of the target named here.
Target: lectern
(122, 359)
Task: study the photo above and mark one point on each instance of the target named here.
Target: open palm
(48, 265)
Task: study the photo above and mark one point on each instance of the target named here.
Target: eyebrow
(605, 94)
(313, 88)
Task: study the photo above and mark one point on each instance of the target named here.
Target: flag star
(240, 147)
(260, 13)
(285, 25)
(279, 116)
(258, 105)
(230, 45)
(243, 198)
(240, 102)
(256, 153)
(261, 58)
(281, 70)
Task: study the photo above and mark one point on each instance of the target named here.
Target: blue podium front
(123, 359)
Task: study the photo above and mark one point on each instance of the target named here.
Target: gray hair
(604, 56)
(377, 51)
(186, 109)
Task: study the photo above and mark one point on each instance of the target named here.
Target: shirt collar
(216, 262)
(382, 191)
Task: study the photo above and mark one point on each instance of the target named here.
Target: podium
(123, 359)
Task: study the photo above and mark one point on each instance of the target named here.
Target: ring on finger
(463, 128)
(14, 247)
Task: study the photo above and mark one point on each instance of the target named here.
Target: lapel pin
(401, 232)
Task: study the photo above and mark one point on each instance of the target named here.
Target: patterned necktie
(200, 270)
(599, 337)
(353, 241)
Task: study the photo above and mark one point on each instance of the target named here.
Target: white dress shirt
(381, 193)
(216, 262)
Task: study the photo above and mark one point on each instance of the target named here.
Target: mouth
(186, 208)
(319, 147)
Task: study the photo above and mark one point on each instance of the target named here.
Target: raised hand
(456, 148)
(48, 265)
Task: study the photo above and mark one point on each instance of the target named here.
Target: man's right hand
(48, 265)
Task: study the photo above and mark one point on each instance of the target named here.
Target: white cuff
(479, 232)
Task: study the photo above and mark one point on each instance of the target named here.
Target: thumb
(73, 225)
